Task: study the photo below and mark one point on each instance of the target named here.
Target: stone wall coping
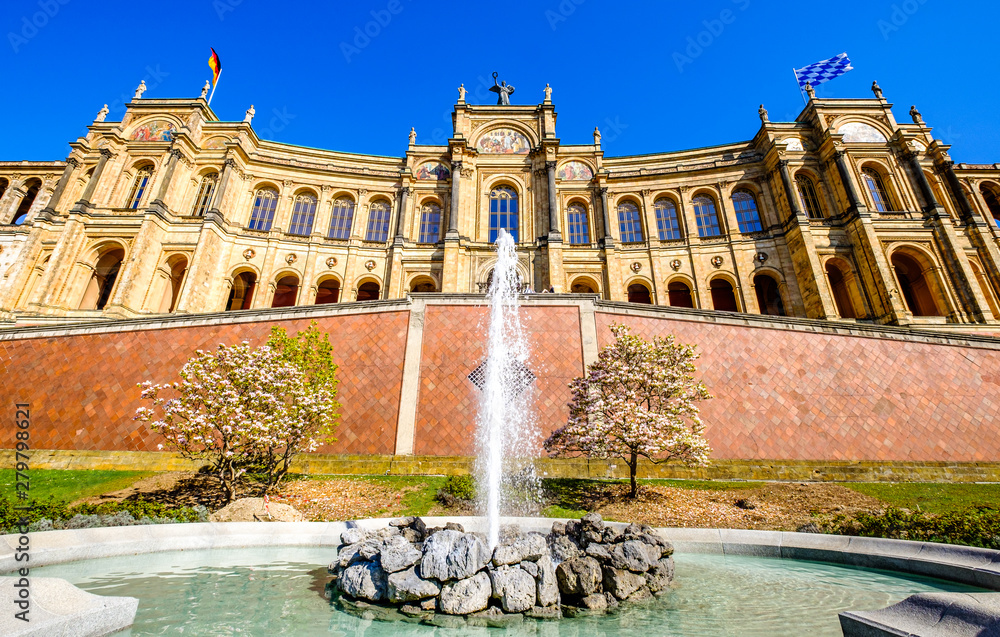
(59, 608)
(925, 335)
(967, 565)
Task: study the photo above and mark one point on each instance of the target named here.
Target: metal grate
(523, 377)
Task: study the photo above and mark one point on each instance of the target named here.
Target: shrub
(975, 526)
(52, 514)
(462, 487)
(457, 491)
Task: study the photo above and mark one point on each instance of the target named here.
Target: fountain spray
(507, 435)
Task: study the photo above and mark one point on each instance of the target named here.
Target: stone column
(965, 206)
(50, 208)
(168, 174)
(922, 183)
(786, 181)
(220, 189)
(607, 217)
(848, 180)
(88, 192)
(456, 180)
(401, 215)
(554, 235)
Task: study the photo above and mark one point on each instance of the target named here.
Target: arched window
(914, 285)
(747, 217)
(378, 221)
(679, 294)
(992, 202)
(768, 296)
(579, 231)
(723, 296)
(877, 190)
(139, 185)
(841, 295)
(204, 198)
(241, 296)
(666, 219)
(3, 186)
(423, 285)
(430, 223)
(264, 205)
(706, 217)
(21, 214)
(328, 292)
(102, 282)
(629, 223)
(342, 218)
(368, 292)
(639, 293)
(303, 214)
(583, 286)
(807, 193)
(286, 291)
(173, 288)
(989, 292)
(503, 212)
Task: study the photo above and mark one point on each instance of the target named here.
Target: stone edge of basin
(967, 565)
(58, 608)
(929, 615)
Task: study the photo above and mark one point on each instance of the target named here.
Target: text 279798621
(22, 486)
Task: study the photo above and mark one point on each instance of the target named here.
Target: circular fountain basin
(270, 579)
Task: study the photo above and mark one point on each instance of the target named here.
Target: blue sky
(655, 76)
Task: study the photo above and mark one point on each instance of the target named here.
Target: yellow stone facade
(844, 214)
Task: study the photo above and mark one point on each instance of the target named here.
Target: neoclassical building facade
(844, 214)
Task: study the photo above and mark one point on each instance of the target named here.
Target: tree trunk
(633, 464)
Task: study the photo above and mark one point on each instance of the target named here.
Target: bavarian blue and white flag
(823, 71)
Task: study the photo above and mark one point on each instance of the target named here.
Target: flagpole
(794, 72)
(214, 86)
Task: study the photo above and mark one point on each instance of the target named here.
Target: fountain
(506, 430)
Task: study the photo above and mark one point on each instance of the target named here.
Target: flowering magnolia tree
(638, 400)
(248, 410)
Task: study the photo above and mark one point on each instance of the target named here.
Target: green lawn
(70, 485)
(568, 498)
(931, 497)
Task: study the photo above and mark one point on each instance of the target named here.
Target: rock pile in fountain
(434, 575)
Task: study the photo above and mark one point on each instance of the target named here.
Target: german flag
(216, 66)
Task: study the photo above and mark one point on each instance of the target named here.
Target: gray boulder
(579, 576)
(407, 586)
(364, 581)
(352, 553)
(454, 526)
(514, 588)
(621, 583)
(632, 555)
(559, 528)
(659, 577)
(406, 521)
(466, 595)
(547, 584)
(451, 555)
(353, 536)
(596, 601)
(398, 554)
(598, 551)
(531, 568)
(533, 546)
(563, 548)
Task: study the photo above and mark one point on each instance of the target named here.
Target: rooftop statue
(503, 90)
